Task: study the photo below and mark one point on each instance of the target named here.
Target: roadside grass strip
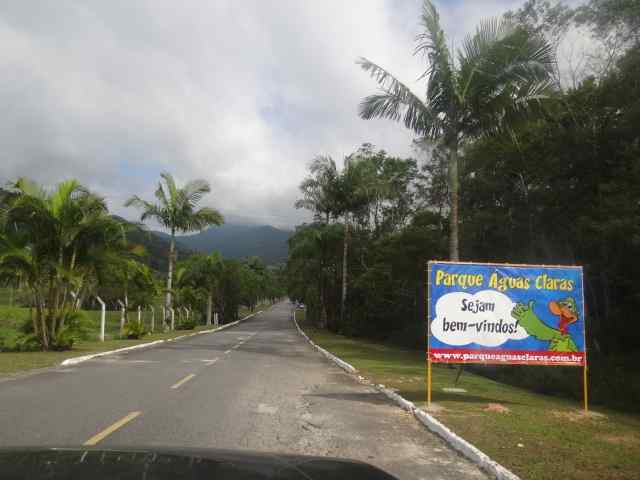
(534, 436)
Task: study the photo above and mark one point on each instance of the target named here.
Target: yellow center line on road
(109, 430)
(183, 381)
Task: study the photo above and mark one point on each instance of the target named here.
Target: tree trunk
(51, 312)
(44, 337)
(209, 307)
(172, 247)
(345, 250)
(34, 318)
(454, 186)
(454, 222)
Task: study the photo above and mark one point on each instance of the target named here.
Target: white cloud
(243, 94)
(483, 318)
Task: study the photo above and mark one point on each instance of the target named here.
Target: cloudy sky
(242, 93)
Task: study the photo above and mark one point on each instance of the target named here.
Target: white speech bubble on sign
(483, 318)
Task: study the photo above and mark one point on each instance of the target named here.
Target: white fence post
(173, 318)
(122, 310)
(103, 315)
(139, 314)
(153, 316)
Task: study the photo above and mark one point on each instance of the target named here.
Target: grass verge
(13, 362)
(536, 436)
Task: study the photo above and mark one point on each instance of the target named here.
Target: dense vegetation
(60, 250)
(559, 186)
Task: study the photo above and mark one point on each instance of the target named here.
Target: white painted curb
(338, 361)
(84, 358)
(465, 448)
(456, 442)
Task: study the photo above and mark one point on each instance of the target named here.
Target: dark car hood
(194, 464)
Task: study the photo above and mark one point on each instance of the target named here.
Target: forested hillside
(240, 241)
(156, 248)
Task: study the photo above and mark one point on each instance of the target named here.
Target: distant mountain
(156, 245)
(239, 241)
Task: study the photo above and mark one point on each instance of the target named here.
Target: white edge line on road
(458, 443)
(84, 358)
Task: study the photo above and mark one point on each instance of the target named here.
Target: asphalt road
(258, 385)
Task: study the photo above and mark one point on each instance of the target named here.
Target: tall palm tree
(176, 209)
(318, 189)
(500, 73)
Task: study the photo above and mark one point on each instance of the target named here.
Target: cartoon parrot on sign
(559, 339)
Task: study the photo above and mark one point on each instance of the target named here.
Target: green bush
(29, 343)
(9, 340)
(13, 341)
(134, 330)
(81, 327)
(26, 326)
(186, 325)
(13, 317)
(64, 340)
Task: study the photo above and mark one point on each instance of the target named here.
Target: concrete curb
(84, 358)
(467, 449)
(338, 361)
(456, 442)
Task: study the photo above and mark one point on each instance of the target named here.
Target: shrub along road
(256, 386)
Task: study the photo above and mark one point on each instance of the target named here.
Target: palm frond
(64, 195)
(194, 190)
(432, 44)
(162, 196)
(171, 186)
(396, 102)
(201, 219)
(474, 54)
(505, 71)
(27, 187)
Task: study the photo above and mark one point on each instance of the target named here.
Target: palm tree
(500, 73)
(176, 209)
(50, 239)
(318, 189)
(205, 271)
